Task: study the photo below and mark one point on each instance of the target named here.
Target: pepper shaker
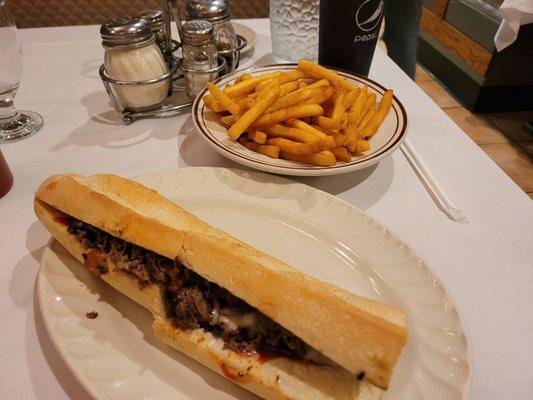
(199, 56)
(132, 56)
(217, 12)
(157, 21)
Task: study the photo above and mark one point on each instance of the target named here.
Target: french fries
(298, 148)
(283, 78)
(295, 97)
(243, 77)
(341, 154)
(267, 150)
(324, 158)
(257, 137)
(294, 134)
(228, 120)
(376, 120)
(297, 111)
(248, 85)
(259, 107)
(318, 71)
(223, 98)
(321, 97)
(309, 115)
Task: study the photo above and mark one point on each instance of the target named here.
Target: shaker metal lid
(198, 33)
(209, 10)
(125, 31)
(155, 18)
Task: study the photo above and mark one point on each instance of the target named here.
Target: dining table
(485, 260)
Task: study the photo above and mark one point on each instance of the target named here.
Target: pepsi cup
(348, 33)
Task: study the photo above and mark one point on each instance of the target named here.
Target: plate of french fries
(300, 119)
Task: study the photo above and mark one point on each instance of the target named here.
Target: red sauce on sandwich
(227, 373)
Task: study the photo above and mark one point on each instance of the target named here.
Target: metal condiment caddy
(174, 63)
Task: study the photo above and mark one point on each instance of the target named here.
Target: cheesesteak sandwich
(270, 328)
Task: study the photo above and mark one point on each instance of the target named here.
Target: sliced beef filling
(192, 301)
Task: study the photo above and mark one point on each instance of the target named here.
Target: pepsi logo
(369, 14)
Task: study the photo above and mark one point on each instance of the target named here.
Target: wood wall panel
(475, 56)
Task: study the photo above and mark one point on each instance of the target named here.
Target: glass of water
(14, 124)
(294, 30)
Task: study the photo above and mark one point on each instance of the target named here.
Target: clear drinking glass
(14, 124)
(294, 30)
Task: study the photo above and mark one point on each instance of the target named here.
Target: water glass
(14, 124)
(294, 30)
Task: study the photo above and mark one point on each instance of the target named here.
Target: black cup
(348, 33)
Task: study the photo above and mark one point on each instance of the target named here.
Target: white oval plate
(247, 33)
(116, 356)
(386, 140)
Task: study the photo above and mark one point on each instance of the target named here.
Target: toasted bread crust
(278, 378)
(273, 379)
(357, 333)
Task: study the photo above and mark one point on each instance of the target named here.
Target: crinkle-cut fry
(245, 104)
(341, 154)
(283, 78)
(223, 98)
(369, 102)
(383, 109)
(301, 125)
(324, 158)
(301, 84)
(318, 71)
(247, 86)
(243, 77)
(292, 147)
(297, 111)
(294, 134)
(321, 97)
(265, 149)
(212, 104)
(307, 81)
(257, 136)
(337, 137)
(295, 97)
(350, 98)
(228, 120)
(248, 118)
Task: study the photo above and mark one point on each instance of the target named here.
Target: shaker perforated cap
(198, 33)
(155, 18)
(125, 31)
(210, 10)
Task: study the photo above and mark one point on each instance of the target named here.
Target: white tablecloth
(485, 262)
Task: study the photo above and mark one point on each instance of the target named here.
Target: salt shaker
(157, 21)
(132, 56)
(218, 13)
(199, 55)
